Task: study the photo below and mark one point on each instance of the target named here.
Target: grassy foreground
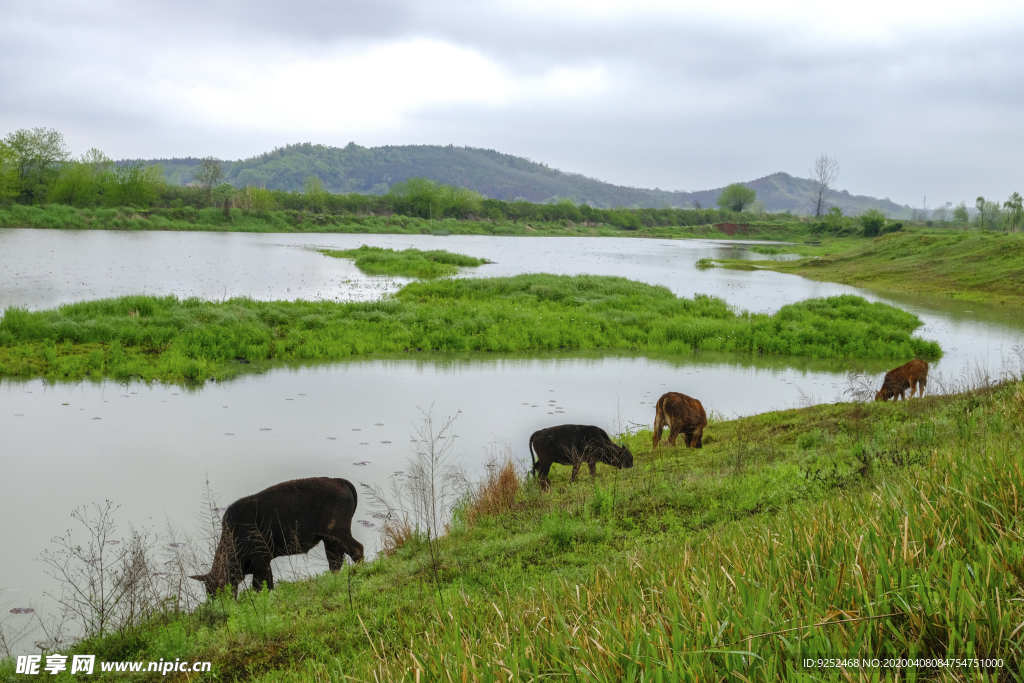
(867, 530)
(407, 263)
(976, 266)
(170, 339)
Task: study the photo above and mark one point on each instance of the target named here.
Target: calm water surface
(150, 448)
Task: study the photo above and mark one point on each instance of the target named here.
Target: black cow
(285, 519)
(575, 445)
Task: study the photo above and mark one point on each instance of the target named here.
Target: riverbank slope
(969, 265)
(860, 529)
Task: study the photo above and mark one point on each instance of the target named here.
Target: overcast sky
(913, 99)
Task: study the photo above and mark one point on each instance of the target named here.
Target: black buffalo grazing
(285, 519)
(575, 445)
(912, 375)
(682, 415)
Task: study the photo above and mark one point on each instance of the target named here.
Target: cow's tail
(659, 421)
(533, 460)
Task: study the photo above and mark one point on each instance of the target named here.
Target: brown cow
(912, 375)
(682, 415)
(285, 519)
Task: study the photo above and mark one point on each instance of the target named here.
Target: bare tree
(424, 498)
(826, 170)
(106, 583)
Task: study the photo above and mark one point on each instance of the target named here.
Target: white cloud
(364, 91)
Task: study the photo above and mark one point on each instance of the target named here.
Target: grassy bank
(61, 217)
(871, 530)
(406, 263)
(976, 266)
(171, 339)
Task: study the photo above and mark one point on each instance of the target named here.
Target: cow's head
(620, 456)
(223, 573)
(214, 583)
(884, 394)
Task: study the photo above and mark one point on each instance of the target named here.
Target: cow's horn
(199, 577)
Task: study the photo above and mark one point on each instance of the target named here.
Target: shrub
(873, 222)
(808, 440)
(736, 197)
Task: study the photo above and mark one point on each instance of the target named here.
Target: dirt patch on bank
(732, 229)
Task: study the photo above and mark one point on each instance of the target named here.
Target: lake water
(150, 448)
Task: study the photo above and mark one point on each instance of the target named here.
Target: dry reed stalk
(397, 531)
(496, 493)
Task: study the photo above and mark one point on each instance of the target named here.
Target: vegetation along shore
(512, 219)
(878, 530)
(172, 339)
(973, 265)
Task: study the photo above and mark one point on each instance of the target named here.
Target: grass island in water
(406, 263)
(190, 339)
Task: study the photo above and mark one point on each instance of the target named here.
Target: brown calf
(683, 415)
(912, 375)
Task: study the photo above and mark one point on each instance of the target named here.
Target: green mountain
(372, 170)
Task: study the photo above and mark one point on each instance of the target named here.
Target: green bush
(873, 221)
(736, 197)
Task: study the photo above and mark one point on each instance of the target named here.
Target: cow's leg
(921, 385)
(697, 439)
(673, 432)
(337, 548)
(575, 471)
(687, 437)
(593, 468)
(355, 549)
(545, 483)
(262, 574)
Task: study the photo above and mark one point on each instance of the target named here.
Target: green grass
(875, 530)
(171, 339)
(406, 263)
(62, 217)
(971, 265)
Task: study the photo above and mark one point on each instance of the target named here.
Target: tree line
(36, 167)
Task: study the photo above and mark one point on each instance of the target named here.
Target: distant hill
(372, 170)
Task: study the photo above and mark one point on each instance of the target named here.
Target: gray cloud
(653, 98)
